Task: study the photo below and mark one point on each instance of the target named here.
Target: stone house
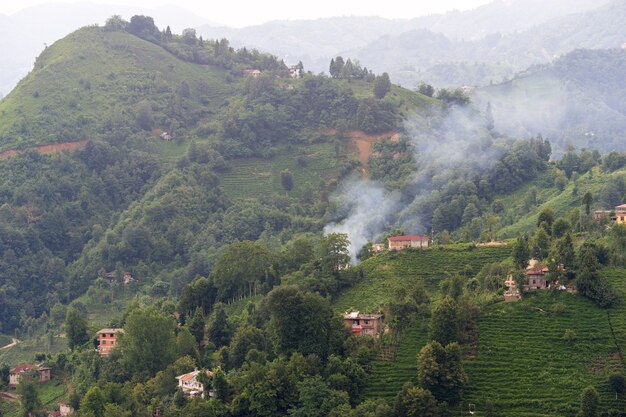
(362, 324)
(536, 275)
(44, 373)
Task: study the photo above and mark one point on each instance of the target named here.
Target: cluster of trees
(189, 47)
(349, 70)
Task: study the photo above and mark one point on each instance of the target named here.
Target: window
(367, 322)
(104, 342)
(533, 281)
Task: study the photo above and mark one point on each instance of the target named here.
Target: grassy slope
(550, 196)
(121, 70)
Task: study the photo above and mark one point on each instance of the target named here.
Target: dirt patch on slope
(52, 148)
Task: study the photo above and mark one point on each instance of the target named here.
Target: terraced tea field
(525, 366)
(386, 378)
(387, 272)
(255, 177)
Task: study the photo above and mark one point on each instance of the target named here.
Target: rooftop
(111, 330)
(408, 237)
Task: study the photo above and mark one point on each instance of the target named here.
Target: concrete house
(107, 340)
(362, 324)
(190, 385)
(45, 373)
(403, 242)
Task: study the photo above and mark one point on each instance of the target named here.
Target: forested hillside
(215, 211)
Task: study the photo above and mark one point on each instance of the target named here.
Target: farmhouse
(45, 373)
(403, 242)
(64, 410)
(107, 340)
(295, 71)
(536, 275)
(190, 385)
(363, 323)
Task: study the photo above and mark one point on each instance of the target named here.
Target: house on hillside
(362, 324)
(112, 278)
(620, 214)
(252, 72)
(295, 71)
(44, 373)
(190, 385)
(403, 242)
(378, 247)
(64, 410)
(107, 340)
(601, 214)
(536, 275)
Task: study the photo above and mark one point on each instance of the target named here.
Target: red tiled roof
(24, 367)
(407, 238)
(191, 375)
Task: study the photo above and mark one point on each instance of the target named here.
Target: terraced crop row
(386, 378)
(388, 272)
(524, 365)
(257, 177)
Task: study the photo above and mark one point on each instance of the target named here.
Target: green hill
(80, 84)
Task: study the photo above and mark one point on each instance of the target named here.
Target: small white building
(190, 385)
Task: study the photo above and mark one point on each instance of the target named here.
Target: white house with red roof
(190, 385)
(410, 241)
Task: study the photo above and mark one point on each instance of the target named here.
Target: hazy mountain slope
(24, 33)
(420, 55)
(580, 99)
(502, 16)
(316, 41)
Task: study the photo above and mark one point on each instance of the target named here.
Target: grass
(92, 74)
(391, 271)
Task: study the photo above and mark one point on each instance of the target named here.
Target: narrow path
(14, 342)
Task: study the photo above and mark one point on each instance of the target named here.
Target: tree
(426, 89)
(289, 307)
(617, 383)
(219, 329)
(564, 250)
(440, 370)
(286, 179)
(196, 325)
(382, 86)
(75, 328)
(143, 115)
(445, 321)
(28, 394)
(414, 401)
(546, 216)
(93, 403)
(589, 402)
(587, 200)
(334, 253)
(148, 344)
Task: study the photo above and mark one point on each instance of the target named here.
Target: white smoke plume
(366, 207)
(444, 144)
